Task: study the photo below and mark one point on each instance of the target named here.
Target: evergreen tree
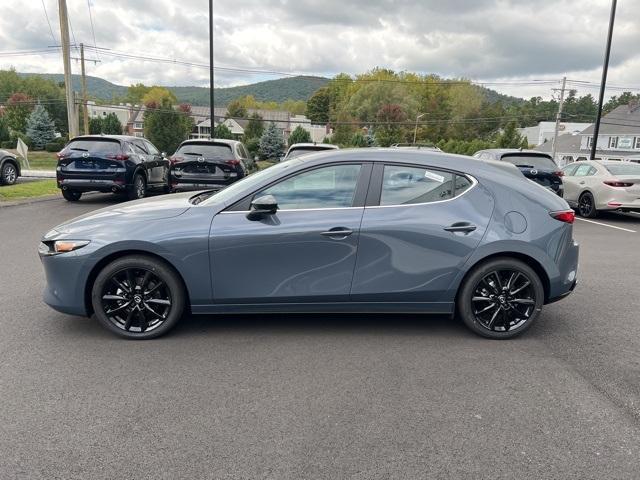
(299, 135)
(111, 125)
(95, 125)
(40, 128)
(255, 127)
(510, 138)
(222, 131)
(271, 143)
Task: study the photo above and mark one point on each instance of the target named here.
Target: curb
(44, 198)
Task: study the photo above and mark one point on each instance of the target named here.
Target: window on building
(613, 142)
(589, 142)
(637, 145)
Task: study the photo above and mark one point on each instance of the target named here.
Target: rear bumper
(565, 282)
(91, 183)
(201, 182)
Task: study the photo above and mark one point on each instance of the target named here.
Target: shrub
(53, 147)
(8, 144)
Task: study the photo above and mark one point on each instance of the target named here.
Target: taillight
(233, 163)
(618, 183)
(120, 157)
(567, 216)
(60, 155)
(175, 159)
(559, 173)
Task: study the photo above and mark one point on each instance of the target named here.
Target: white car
(595, 186)
(298, 149)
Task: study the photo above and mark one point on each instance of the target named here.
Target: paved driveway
(293, 397)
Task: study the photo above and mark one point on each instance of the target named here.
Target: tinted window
(218, 151)
(296, 152)
(140, 144)
(406, 185)
(151, 148)
(327, 187)
(531, 161)
(97, 146)
(624, 169)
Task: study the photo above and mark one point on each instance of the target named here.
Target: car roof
(114, 137)
(328, 146)
(211, 140)
(504, 151)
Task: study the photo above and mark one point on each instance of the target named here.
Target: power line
(93, 32)
(53, 37)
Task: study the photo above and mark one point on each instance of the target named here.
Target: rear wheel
(9, 174)
(138, 188)
(138, 297)
(587, 206)
(501, 298)
(71, 195)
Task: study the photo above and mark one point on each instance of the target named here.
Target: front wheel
(9, 174)
(501, 298)
(71, 195)
(138, 297)
(587, 206)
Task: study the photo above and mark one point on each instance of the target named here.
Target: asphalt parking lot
(292, 397)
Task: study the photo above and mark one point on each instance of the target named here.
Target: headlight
(61, 246)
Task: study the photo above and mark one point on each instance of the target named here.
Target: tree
(166, 127)
(158, 97)
(253, 146)
(318, 106)
(255, 127)
(111, 125)
(222, 131)
(17, 111)
(236, 109)
(135, 93)
(390, 130)
(271, 143)
(299, 135)
(625, 99)
(359, 140)
(4, 129)
(95, 125)
(40, 128)
(510, 138)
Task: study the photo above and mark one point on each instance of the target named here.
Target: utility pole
(66, 57)
(415, 131)
(85, 113)
(211, 60)
(558, 119)
(603, 84)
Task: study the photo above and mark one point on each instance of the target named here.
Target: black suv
(536, 166)
(206, 164)
(111, 163)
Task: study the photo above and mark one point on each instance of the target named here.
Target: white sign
(23, 150)
(625, 142)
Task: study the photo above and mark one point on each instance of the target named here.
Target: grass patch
(37, 188)
(39, 160)
(262, 164)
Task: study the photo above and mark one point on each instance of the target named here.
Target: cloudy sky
(497, 41)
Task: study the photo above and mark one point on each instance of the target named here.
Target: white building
(545, 131)
(121, 111)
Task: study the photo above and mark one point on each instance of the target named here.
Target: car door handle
(582, 182)
(464, 227)
(337, 232)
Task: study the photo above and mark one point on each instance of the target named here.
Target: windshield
(296, 152)
(217, 150)
(247, 183)
(531, 161)
(97, 146)
(624, 169)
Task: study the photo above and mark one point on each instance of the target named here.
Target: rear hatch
(205, 162)
(539, 168)
(627, 179)
(296, 152)
(92, 158)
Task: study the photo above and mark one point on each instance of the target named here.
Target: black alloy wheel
(138, 297)
(9, 174)
(587, 206)
(501, 298)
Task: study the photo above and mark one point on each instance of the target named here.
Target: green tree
(17, 111)
(299, 135)
(253, 146)
(95, 125)
(166, 127)
(318, 106)
(390, 130)
(359, 140)
(615, 101)
(510, 138)
(236, 109)
(271, 143)
(255, 127)
(40, 128)
(135, 93)
(4, 129)
(158, 97)
(222, 131)
(111, 125)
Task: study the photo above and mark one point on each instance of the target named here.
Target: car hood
(146, 209)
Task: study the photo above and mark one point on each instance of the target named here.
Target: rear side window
(570, 170)
(403, 185)
(95, 146)
(531, 161)
(584, 170)
(218, 151)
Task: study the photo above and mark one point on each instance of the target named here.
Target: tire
(138, 188)
(137, 313)
(71, 195)
(9, 174)
(511, 314)
(587, 206)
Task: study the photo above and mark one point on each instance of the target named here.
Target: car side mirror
(262, 206)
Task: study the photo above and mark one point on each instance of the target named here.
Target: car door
(419, 227)
(303, 253)
(570, 183)
(160, 164)
(148, 162)
(581, 179)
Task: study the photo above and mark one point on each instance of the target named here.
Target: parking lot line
(606, 225)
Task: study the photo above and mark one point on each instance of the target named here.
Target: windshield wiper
(79, 149)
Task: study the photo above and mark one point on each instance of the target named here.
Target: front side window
(569, 171)
(408, 185)
(583, 170)
(150, 147)
(327, 187)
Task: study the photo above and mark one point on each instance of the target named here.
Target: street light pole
(603, 84)
(211, 60)
(415, 131)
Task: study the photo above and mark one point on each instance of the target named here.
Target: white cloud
(481, 40)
